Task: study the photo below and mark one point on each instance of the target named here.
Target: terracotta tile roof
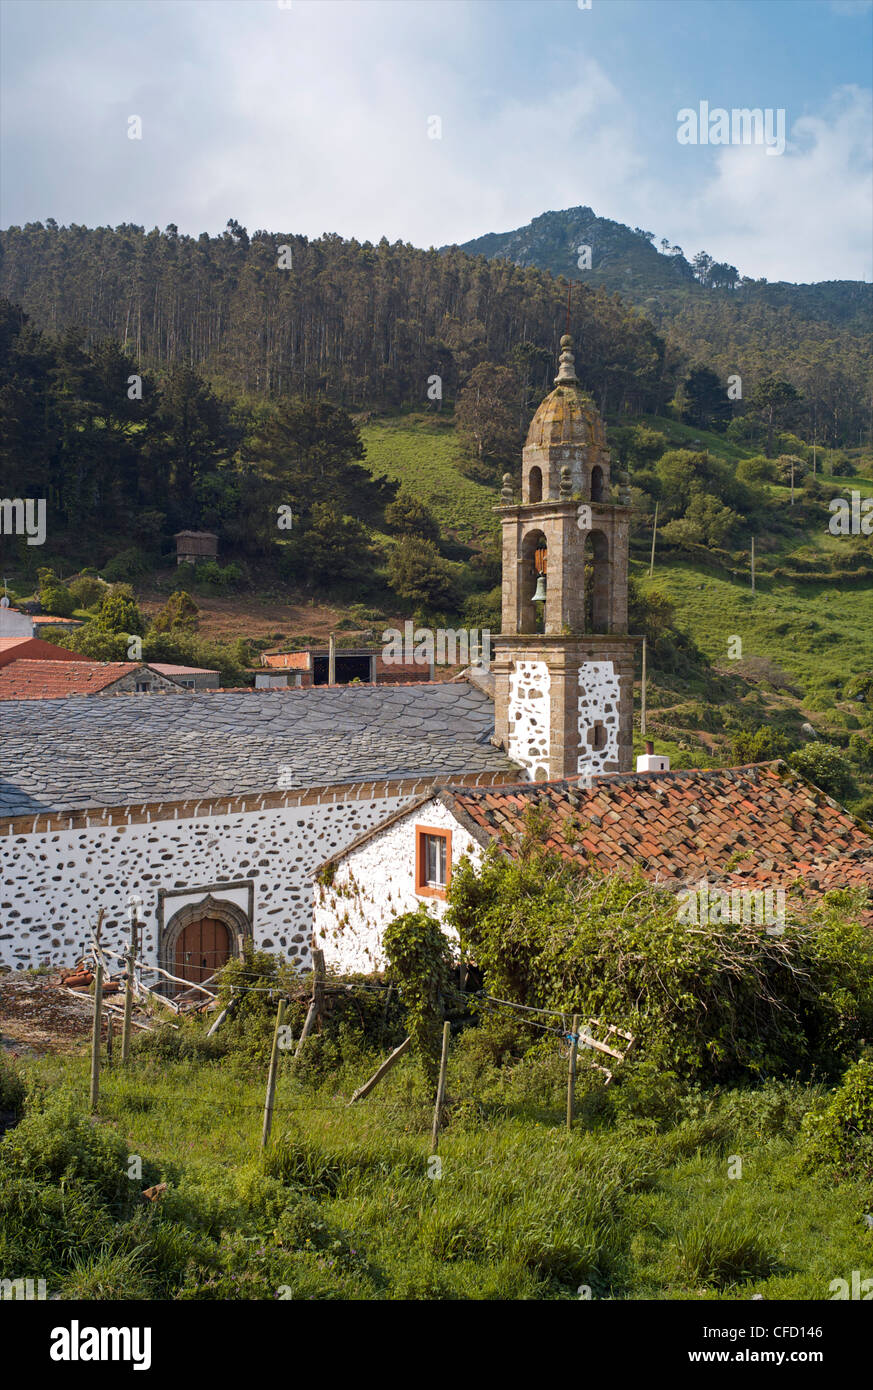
(33, 648)
(52, 680)
(167, 668)
(741, 827)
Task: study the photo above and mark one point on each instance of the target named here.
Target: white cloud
(802, 216)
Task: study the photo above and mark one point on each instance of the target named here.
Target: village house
(26, 679)
(746, 831)
(33, 648)
(264, 815)
(314, 666)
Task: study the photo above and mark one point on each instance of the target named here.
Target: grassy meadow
(658, 1192)
(421, 453)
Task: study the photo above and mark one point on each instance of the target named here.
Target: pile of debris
(38, 1014)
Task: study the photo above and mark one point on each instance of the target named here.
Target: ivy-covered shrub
(840, 1136)
(420, 962)
(718, 1001)
(60, 1145)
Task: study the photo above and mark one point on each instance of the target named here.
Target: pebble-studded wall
(55, 883)
(528, 741)
(599, 696)
(376, 882)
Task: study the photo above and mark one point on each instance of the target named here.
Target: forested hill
(274, 314)
(271, 314)
(705, 308)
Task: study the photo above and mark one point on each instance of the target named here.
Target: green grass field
(818, 634)
(347, 1204)
(420, 452)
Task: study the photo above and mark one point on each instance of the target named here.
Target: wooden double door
(202, 948)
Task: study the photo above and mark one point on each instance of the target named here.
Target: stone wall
(128, 683)
(529, 717)
(258, 853)
(54, 884)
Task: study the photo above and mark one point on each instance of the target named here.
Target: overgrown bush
(60, 1144)
(840, 1134)
(127, 564)
(827, 767)
(420, 962)
(56, 600)
(713, 1001)
(12, 1089)
(86, 590)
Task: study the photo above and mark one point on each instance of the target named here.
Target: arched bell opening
(534, 579)
(597, 487)
(596, 582)
(535, 484)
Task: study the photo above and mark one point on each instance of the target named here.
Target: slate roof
(737, 827)
(81, 753)
(38, 679)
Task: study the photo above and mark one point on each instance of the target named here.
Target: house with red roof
(716, 837)
(33, 649)
(25, 679)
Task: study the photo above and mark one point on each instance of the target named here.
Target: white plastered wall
(375, 883)
(599, 702)
(529, 715)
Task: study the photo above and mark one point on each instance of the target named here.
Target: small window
(433, 861)
(597, 736)
(143, 687)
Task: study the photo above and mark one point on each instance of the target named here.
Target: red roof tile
(52, 680)
(33, 648)
(755, 825)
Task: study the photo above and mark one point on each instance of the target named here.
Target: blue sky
(312, 117)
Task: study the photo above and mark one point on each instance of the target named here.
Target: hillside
(812, 334)
(363, 324)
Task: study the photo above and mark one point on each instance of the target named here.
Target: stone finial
(507, 492)
(566, 483)
(566, 363)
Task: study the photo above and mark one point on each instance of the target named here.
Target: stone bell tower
(563, 661)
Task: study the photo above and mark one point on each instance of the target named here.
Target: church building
(284, 817)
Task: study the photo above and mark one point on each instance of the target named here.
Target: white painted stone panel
(529, 715)
(599, 695)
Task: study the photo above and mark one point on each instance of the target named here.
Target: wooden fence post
(441, 1088)
(271, 1077)
(381, 1071)
(317, 995)
(571, 1077)
(95, 1036)
(128, 996)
